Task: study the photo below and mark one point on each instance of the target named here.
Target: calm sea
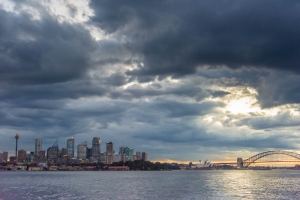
(216, 184)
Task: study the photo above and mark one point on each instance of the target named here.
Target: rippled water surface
(215, 184)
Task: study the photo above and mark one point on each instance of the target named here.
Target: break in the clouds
(212, 79)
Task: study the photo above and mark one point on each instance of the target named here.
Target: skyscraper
(21, 156)
(109, 152)
(129, 152)
(52, 154)
(70, 147)
(96, 148)
(138, 155)
(122, 153)
(42, 156)
(88, 153)
(4, 156)
(38, 146)
(63, 151)
(145, 156)
(82, 150)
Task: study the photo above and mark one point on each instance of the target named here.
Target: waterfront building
(70, 146)
(38, 146)
(145, 156)
(118, 168)
(129, 152)
(96, 148)
(109, 152)
(82, 150)
(21, 155)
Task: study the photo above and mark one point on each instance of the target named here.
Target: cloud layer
(216, 80)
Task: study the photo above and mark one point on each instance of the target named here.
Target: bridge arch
(256, 157)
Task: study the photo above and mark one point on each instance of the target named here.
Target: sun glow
(242, 106)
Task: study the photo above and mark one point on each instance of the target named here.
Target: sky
(182, 80)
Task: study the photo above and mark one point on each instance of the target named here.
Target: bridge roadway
(254, 159)
(234, 163)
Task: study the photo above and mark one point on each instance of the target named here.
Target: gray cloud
(45, 51)
(282, 119)
(57, 81)
(174, 38)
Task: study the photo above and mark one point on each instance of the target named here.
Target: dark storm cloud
(278, 88)
(176, 37)
(183, 134)
(178, 109)
(273, 87)
(63, 120)
(42, 51)
(282, 119)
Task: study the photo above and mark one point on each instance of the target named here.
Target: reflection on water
(215, 184)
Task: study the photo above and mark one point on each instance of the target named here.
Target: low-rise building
(118, 168)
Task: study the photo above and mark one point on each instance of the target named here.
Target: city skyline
(181, 80)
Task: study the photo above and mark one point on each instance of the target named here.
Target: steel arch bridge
(256, 157)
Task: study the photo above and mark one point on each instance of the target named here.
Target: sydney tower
(17, 137)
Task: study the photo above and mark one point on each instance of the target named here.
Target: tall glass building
(70, 147)
(129, 152)
(38, 146)
(82, 150)
(96, 148)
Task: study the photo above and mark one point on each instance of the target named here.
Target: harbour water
(203, 184)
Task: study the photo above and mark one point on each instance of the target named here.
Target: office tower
(70, 147)
(89, 153)
(138, 155)
(82, 150)
(21, 156)
(52, 154)
(145, 156)
(38, 145)
(29, 156)
(109, 152)
(12, 159)
(42, 156)
(63, 151)
(17, 137)
(96, 148)
(122, 153)
(5, 155)
(129, 152)
(1, 156)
